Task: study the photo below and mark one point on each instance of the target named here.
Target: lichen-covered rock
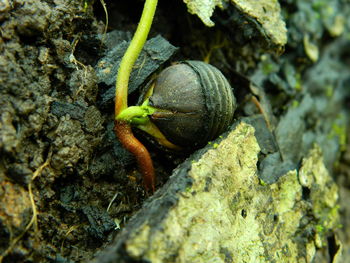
(265, 14)
(204, 9)
(225, 214)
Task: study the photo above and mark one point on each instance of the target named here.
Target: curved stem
(126, 137)
(121, 128)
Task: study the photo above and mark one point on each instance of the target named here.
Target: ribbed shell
(219, 99)
(201, 101)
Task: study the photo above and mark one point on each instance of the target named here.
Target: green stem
(131, 55)
(136, 114)
(121, 127)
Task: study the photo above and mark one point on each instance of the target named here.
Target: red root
(133, 145)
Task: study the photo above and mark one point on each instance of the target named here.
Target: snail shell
(194, 103)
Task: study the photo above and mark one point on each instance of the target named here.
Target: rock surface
(264, 14)
(215, 209)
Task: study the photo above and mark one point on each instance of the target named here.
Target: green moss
(262, 182)
(295, 104)
(188, 189)
(268, 67)
(319, 228)
(87, 4)
(298, 82)
(328, 221)
(339, 130)
(329, 91)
